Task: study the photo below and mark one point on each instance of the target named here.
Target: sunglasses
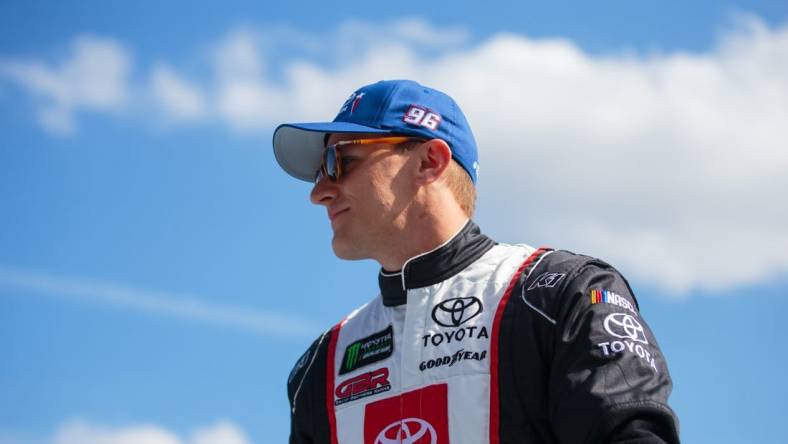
(331, 166)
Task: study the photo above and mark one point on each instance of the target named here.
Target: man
(469, 341)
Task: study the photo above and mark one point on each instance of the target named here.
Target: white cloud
(93, 77)
(154, 302)
(668, 165)
(223, 432)
(423, 34)
(82, 432)
(177, 97)
(354, 38)
(243, 98)
(248, 100)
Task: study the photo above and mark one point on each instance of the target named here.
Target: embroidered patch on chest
(373, 348)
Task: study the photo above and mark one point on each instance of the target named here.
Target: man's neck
(425, 234)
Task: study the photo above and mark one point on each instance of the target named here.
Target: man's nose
(324, 191)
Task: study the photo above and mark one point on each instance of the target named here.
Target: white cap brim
(298, 147)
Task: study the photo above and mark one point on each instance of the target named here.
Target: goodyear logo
(365, 351)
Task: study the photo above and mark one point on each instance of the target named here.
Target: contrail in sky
(155, 302)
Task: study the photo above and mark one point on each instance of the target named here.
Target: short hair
(462, 187)
(458, 180)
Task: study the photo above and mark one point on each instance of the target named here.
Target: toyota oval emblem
(456, 311)
(624, 326)
(408, 431)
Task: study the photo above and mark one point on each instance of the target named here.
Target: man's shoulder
(311, 354)
(545, 257)
(560, 279)
(562, 266)
(568, 262)
(304, 363)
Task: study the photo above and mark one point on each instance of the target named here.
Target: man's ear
(435, 157)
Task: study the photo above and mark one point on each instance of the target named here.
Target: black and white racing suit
(478, 342)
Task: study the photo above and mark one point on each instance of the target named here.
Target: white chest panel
(429, 382)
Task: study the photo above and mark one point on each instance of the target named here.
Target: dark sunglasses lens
(322, 171)
(330, 162)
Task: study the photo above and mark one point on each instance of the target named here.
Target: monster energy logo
(351, 355)
(373, 348)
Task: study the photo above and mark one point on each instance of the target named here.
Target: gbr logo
(416, 115)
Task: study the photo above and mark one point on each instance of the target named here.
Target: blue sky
(159, 274)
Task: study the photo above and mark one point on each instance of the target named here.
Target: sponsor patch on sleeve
(627, 335)
(608, 297)
(547, 280)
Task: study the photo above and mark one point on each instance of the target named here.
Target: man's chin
(346, 250)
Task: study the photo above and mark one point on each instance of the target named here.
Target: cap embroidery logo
(350, 100)
(356, 101)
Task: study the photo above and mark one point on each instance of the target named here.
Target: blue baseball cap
(401, 107)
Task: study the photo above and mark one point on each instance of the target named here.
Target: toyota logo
(408, 431)
(622, 325)
(456, 311)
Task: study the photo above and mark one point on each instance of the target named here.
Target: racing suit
(480, 342)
